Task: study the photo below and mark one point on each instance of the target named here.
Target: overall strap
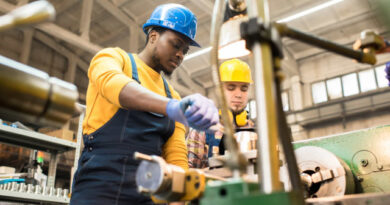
(134, 68)
(135, 76)
(167, 91)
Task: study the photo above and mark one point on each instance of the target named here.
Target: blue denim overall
(106, 171)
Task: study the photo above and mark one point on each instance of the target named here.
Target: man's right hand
(195, 111)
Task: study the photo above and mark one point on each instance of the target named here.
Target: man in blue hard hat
(132, 108)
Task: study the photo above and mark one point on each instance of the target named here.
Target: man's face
(236, 95)
(169, 50)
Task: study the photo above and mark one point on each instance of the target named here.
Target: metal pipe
(214, 177)
(32, 96)
(265, 95)
(28, 14)
(285, 139)
(236, 161)
(360, 56)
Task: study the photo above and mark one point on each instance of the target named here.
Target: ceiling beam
(60, 49)
(119, 3)
(69, 37)
(70, 73)
(22, 2)
(58, 32)
(26, 47)
(133, 39)
(131, 15)
(85, 20)
(116, 12)
(125, 19)
(112, 36)
(147, 14)
(65, 5)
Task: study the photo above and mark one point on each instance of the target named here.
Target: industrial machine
(349, 168)
(364, 156)
(320, 171)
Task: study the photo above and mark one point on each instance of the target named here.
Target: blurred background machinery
(31, 99)
(28, 94)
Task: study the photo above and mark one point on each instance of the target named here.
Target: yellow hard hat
(235, 70)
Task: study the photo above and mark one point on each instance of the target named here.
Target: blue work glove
(195, 111)
(387, 70)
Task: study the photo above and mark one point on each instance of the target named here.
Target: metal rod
(214, 177)
(140, 156)
(233, 160)
(35, 12)
(32, 96)
(360, 56)
(266, 121)
(285, 139)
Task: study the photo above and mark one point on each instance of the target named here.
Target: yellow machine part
(195, 184)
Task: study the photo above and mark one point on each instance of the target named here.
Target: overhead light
(231, 45)
(309, 11)
(197, 53)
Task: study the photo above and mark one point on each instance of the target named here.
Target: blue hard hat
(174, 17)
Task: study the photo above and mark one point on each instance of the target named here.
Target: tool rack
(34, 140)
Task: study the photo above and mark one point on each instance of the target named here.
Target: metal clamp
(255, 30)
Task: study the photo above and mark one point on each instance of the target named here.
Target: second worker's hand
(387, 71)
(195, 111)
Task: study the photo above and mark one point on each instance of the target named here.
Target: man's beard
(236, 110)
(159, 66)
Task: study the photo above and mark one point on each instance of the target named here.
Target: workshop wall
(326, 66)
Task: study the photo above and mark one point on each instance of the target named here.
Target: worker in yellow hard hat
(236, 78)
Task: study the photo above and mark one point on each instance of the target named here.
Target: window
(285, 102)
(367, 80)
(380, 76)
(350, 84)
(334, 88)
(318, 91)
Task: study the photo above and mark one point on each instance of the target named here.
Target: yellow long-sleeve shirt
(110, 70)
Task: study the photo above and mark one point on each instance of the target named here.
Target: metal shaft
(32, 96)
(236, 160)
(32, 13)
(360, 56)
(140, 156)
(265, 95)
(214, 177)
